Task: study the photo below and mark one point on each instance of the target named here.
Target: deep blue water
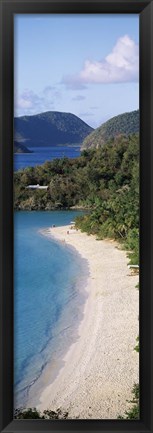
(42, 154)
(49, 296)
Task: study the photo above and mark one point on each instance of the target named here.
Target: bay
(49, 295)
(43, 154)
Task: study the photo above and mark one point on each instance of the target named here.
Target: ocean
(42, 154)
(49, 295)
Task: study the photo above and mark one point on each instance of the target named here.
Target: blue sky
(83, 64)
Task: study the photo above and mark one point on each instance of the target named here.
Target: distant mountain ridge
(50, 129)
(20, 148)
(126, 123)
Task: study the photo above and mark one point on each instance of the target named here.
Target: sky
(81, 64)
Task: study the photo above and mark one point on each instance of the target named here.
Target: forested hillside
(50, 129)
(126, 123)
(105, 181)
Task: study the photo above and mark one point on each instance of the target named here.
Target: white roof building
(37, 186)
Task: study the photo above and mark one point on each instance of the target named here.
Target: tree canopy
(104, 180)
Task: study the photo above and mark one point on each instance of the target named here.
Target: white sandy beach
(102, 366)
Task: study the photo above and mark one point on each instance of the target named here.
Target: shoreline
(100, 368)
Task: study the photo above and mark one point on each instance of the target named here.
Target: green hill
(79, 181)
(105, 181)
(50, 129)
(126, 124)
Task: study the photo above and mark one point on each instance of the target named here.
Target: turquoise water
(49, 296)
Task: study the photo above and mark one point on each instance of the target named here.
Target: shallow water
(49, 296)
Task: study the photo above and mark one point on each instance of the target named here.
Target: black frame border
(7, 10)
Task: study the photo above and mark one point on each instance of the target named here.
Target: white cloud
(30, 103)
(24, 103)
(121, 65)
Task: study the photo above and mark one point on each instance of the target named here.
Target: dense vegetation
(126, 123)
(20, 148)
(105, 181)
(50, 129)
(33, 413)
